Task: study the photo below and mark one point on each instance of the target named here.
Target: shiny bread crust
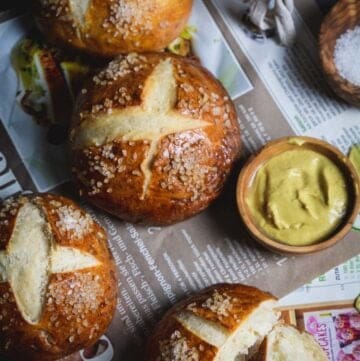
(106, 28)
(189, 168)
(78, 306)
(226, 305)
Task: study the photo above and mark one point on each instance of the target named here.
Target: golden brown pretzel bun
(221, 323)
(110, 27)
(57, 278)
(154, 137)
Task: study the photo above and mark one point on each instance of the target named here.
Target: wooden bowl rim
(266, 151)
(344, 84)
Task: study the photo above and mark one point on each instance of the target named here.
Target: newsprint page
(277, 92)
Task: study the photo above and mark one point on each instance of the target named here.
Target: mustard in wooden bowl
(298, 195)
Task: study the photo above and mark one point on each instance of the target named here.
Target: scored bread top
(153, 126)
(109, 27)
(197, 328)
(152, 84)
(57, 278)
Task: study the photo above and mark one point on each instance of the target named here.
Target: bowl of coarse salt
(340, 49)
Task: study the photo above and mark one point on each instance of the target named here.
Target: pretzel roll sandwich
(107, 28)
(153, 138)
(225, 322)
(57, 279)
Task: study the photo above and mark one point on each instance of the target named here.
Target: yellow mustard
(298, 197)
(355, 157)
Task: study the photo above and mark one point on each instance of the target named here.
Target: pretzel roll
(154, 137)
(225, 322)
(107, 28)
(57, 279)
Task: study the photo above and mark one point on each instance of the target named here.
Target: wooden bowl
(345, 15)
(247, 176)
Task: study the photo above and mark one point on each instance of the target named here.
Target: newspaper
(342, 283)
(277, 92)
(335, 326)
(324, 307)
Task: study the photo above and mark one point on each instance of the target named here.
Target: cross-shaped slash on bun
(153, 137)
(151, 120)
(57, 278)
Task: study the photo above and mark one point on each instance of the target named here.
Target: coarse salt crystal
(71, 220)
(347, 55)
